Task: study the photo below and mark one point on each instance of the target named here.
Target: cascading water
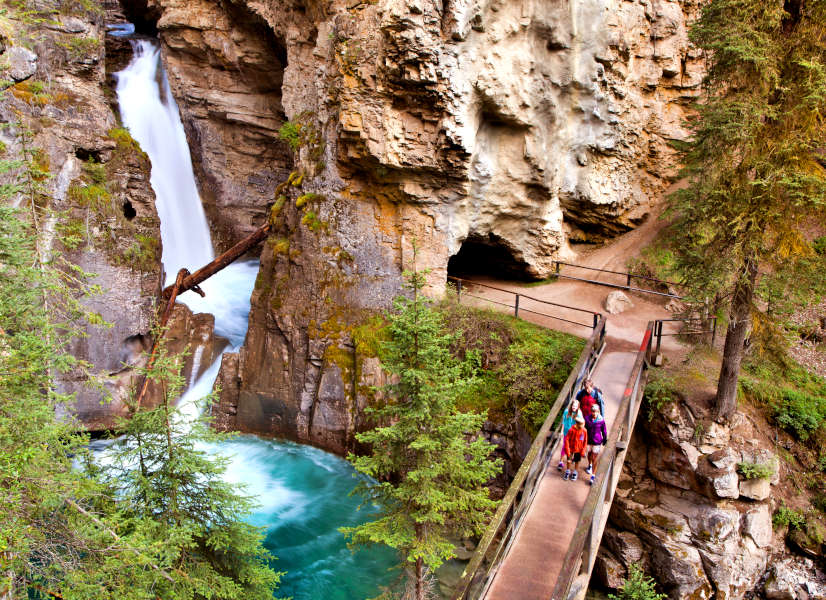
(304, 492)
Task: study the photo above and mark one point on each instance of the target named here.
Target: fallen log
(191, 281)
(186, 281)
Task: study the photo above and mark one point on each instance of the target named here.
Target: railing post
(628, 281)
(557, 267)
(596, 320)
(516, 307)
(458, 291)
(713, 330)
(658, 328)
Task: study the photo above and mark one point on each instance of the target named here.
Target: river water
(303, 492)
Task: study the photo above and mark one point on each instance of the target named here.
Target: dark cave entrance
(488, 255)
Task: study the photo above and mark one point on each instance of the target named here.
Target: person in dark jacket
(597, 438)
(589, 389)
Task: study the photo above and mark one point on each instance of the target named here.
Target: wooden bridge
(543, 540)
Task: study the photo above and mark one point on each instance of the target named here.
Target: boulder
(608, 571)
(755, 489)
(22, 63)
(790, 578)
(617, 302)
(757, 524)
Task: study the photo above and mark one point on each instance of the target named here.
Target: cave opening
(488, 255)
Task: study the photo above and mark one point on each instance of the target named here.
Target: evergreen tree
(754, 165)
(174, 505)
(429, 459)
(638, 586)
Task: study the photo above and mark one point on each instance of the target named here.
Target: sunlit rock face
(515, 126)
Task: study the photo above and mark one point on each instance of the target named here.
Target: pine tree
(429, 459)
(176, 508)
(754, 166)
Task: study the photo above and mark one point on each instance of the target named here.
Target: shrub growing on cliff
(638, 586)
(429, 458)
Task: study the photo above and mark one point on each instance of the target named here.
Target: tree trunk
(419, 579)
(738, 326)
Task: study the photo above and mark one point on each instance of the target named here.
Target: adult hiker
(594, 394)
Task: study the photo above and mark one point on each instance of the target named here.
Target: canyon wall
(87, 182)
(512, 127)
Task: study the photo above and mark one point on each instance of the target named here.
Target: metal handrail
(659, 335)
(572, 582)
(627, 286)
(484, 563)
(515, 306)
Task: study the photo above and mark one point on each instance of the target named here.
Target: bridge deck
(530, 569)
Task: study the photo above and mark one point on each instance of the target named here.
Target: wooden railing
(502, 529)
(463, 287)
(572, 582)
(629, 279)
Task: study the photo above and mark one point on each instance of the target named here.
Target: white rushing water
(149, 111)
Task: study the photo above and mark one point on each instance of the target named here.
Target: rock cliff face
(87, 181)
(505, 129)
(686, 514)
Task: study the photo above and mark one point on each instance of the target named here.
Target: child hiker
(575, 443)
(597, 438)
(568, 418)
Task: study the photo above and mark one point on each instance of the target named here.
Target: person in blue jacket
(568, 419)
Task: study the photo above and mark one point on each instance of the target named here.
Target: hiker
(568, 418)
(575, 443)
(594, 394)
(597, 438)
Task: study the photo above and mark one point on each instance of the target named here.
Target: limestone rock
(794, 578)
(608, 571)
(22, 63)
(718, 474)
(757, 523)
(755, 489)
(617, 302)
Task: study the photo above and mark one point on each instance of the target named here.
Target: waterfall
(149, 111)
(304, 492)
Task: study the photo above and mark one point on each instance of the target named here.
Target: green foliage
(79, 48)
(638, 586)
(660, 391)
(795, 398)
(751, 470)
(788, 517)
(143, 253)
(176, 507)
(755, 177)
(522, 366)
(819, 245)
(291, 133)
(430, 461)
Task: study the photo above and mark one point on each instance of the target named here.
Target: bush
(291, 133)
(788, 517)
(799, 413)
(637, 586)
(751, 470)
(660, 391)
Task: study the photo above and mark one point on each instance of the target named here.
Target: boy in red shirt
(575, 442)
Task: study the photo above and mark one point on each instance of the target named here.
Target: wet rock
(617, 302)
(22, 63)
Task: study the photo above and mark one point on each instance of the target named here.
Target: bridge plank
(530, 569)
